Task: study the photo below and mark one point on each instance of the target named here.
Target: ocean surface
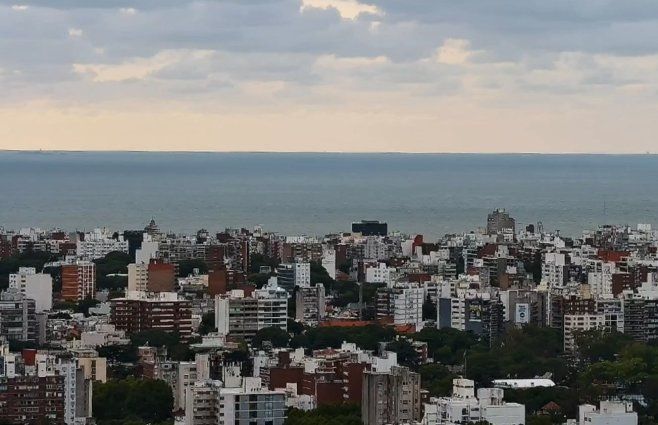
(315, 194)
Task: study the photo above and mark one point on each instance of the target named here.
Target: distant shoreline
(59, 151)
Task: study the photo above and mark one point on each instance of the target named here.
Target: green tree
(259, 279)
(320, 275)
(119, 353)
(436, 379)
(258, 260)
(177, 349)
(429, 309)
(326, 415)
(131, 399)
(186, 267)
(406, 354)
(446, 346)
(597, 345)
(29, 258)
(108, 267)
(276, 336)
(207, 324)
(539, 420)
(295, 328)
(83, 306)
(367, 337)
(155, 338)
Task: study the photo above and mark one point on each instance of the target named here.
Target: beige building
(94, 367)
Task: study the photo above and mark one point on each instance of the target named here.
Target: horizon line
(528, 153)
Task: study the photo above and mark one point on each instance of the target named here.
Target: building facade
(391, 397)
(141, 311)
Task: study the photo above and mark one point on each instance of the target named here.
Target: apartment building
(98, 244)
(380, 273)
(310, 305)
(141, 311)
(138, 277)
(577, 323)
(499, 221)
(18, 320)
(33, 285)
(78, 281)
(471, 311)
(391, 397)
(32, 399)
(401, 304)
(210, 403)
(242, 316)
(370, 228)
(290, 275)
(161, 277)
(554, 269)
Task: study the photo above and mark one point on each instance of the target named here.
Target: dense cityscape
(500, 325)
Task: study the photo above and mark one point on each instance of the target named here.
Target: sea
(321, 193)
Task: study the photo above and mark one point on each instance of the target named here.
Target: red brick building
(32, 400)
(161, 277)
(78, 281)
(163, 312)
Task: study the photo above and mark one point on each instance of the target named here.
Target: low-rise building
(464, 406)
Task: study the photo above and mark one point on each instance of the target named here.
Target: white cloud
(75, 32)
(454, 51)
(345, 63)
(348, 9)
(128, 11)
(138, 68)
(19, 7)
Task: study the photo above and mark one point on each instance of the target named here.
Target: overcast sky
(330, 75)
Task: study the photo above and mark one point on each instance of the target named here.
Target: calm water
(321, 193)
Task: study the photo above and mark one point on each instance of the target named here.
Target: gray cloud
(56, 49)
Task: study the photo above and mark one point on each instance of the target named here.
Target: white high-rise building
(33, 285)
(600, 281)
(209, 403)
(147, 251)
(98, 244)
(379, 274)
(553, 269)
(375, 249)
(244, 316)
(77, 392)
(329, 260)
(408, 305)
(303, 275)
(465, 407)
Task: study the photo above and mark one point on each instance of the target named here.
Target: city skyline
(329, 75)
